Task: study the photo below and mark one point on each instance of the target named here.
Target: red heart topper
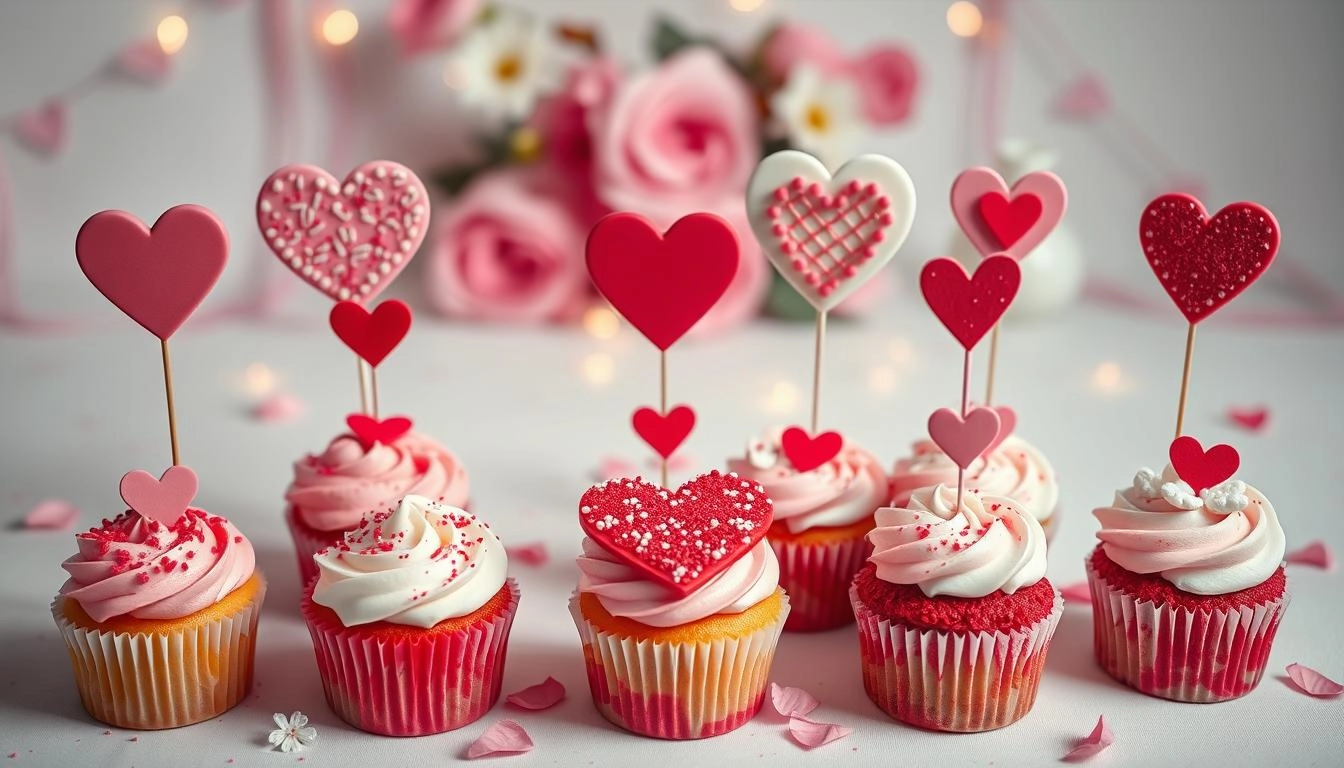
(372, 335)
(999, 220)
(662, 284)
(369, 430)
(664, 433)
(163, 500)
(681, 538)
(1203, 262)
(964, 440)
(1200, 468)
(970, 306)
(157, 275)
(805, 452)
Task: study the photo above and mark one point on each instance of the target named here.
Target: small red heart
(807, 453)
(370, 430)
(964, 440)
(1200, 468)
(372, 335)
(1008, 220)
(662, 284)
(970, 306)
(163, 500)
(664, 432)
(681, 538)
(1254, 419)
(1203, 262)
(1007, 424)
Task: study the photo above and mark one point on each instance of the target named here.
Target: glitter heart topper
(681, 538)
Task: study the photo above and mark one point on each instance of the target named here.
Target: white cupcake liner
(816, 578)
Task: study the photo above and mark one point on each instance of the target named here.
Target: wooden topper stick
(168, 390)
(993, 365)
(373, 390)
(662, 406)
(965, 407)
(816, 370)
(1185, 378)
(363, 371)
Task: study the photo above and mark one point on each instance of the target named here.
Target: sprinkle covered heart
(372, 335)
(969, 306)
(999, 220)
(369, 430)
(1203, 263)
(806, 452)
(348, 239)
(1199, 468)
(164, 499)
(664, 433)
(828, 235)
(681, 538)
(964, 440)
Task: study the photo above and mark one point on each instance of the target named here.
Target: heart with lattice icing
(828, 235)
(680, 538)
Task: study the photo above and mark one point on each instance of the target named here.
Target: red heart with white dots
(1206, 262)
(680, 538)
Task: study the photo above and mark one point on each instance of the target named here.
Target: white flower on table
(820, 113)
(292, 733)
(503, 64)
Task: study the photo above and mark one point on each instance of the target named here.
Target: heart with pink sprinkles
(348, 239)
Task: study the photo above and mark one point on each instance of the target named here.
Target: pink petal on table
(1313, 683)
(612, 467)
(279, 408)
(1316, 554)
(51, 515)
(534, 554)
(543, 695)
(790, 701)
(1078, 592)
(504, 737)
(1100, 738)
(809, 733)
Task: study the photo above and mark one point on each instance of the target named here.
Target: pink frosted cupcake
(1187, 589)
(1015, 470)
(410, 619)
(822, 519)
(334, 489)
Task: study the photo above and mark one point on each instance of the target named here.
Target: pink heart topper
(163, 500)
(964, 440)
(969, 306)
(348, 239)
(1007, 424)
(999, 220)
(157, 275)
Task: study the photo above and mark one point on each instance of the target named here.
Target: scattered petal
(1316, 554)
(1100, 738)
(292, 733)
(278, 408)
(504, 737)
(1313, 683)
(1251, 419)
(534, 554)
(1078, 592)
(51, 515)
(809, 733)
(613, 467)
(791, 701)
(543, 695)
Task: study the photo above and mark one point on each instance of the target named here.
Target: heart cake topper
(681, 538)
(157, 275)
(999, 220)
(1200, 468)
(1007, 425)
(163, 500)
(664, 433)
(806, 452)
(1202, 262)
(369, 430)
(828, 235)
(965, 439)
(662, 284)
(969, 306)
(348, 239)
(372, 335)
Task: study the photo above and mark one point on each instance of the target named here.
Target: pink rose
(508, 251)
(793, 43)
(746, 294)
(885, 77)
(425, 25)
(679, 138)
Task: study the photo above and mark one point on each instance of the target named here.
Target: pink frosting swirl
(333, 490)
(1015, 470)
(138, 567)
(843, 491)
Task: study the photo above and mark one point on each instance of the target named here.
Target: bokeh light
(172, 34)
(964, 18)
(340, 27)
(598, 369)
(601, 323)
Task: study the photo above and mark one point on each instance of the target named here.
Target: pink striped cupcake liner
(308, 541)
(817, 579)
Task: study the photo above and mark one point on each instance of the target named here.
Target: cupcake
(1187, 588)
(678, 607)
(1014, 469)
(821, 521)
(161, 620)
(334, 489)
(410, 617)
(955, 613)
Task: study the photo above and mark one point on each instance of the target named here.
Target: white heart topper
(828, 235)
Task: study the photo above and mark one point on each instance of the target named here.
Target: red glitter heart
(1200, 468)
(806, 453)
(970, 306)
(372, 335)
(1008, 220)
(370, 430)
(664, 432)
(681, 539)
(1206, 262)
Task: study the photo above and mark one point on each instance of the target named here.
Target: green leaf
(454, 179)
(668, 38)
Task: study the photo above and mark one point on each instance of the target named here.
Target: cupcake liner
(817, 579)
(308, 541)
(1197, 656)
(952, 681)
(156, 680)
(682, 690)
(413, 684)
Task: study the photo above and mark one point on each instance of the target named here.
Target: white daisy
(503, 64)
(821, 114)
(292, 734)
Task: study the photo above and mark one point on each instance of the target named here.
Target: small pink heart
(964, 440)
(1007, 423)
(42, 128)
(164, 500)
(146, 61)
(1025, 224)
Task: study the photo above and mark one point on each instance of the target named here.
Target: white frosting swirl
(985, 545)
(417, 565)
(842, 491)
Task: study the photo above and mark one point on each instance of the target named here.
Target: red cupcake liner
(817, 579)
(415, 684)
(1197, 656)
(308, 541)
(952, 681)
